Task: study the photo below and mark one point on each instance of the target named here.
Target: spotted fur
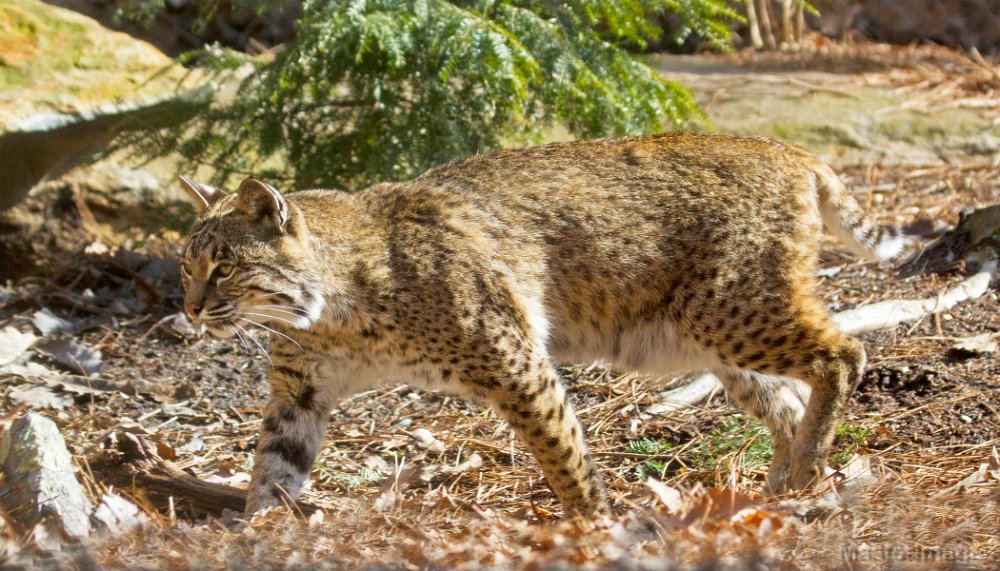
(657, 254)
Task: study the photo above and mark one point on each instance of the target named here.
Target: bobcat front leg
(537, 408)
(291, 435)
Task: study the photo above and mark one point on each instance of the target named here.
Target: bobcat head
(248, 261)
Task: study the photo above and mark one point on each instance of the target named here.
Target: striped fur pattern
(657, 254)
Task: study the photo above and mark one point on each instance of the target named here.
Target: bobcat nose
(193, 308)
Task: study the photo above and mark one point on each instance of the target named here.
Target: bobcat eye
(225, 270)
(185, 270)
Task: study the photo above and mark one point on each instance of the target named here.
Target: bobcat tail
(844, 218)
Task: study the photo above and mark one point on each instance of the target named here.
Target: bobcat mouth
(229, 320)
(220, 328)
(219, 322)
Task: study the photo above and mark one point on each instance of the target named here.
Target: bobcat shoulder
(659, 254)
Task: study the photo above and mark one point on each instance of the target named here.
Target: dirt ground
(415, 480)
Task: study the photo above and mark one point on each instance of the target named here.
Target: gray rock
(39, 480)
(115, 514)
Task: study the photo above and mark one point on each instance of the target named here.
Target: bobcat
(657, 254)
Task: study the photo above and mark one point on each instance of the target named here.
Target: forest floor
(414, 480)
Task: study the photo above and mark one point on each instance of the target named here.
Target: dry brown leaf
(670, 497)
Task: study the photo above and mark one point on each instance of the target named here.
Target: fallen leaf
(390, 493)
(426, 440)
(48, 323)
(117, 515)
(196, 444)
(473, 462)
(376, 462)
(978, 345)
(40, 397)
(858, 468)
(13, 343)
(719, 503)
(384, 501)
(757, 522)
(76, 357)
(669, 496)
(428, 472)
(31, 370)
(180, 325)
(393, 444)
(229, 478)
(967, 483)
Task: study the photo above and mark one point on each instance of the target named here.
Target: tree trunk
(800, 22)
(755, 39)
(764, 15)
(787, 32)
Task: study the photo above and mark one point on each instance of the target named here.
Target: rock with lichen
(66, 85)
(39, 487)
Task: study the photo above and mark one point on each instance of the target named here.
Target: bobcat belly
(655, 349)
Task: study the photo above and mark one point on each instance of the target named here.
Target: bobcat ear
(261, 201)
(201, 195)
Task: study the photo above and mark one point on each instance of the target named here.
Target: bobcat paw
(264, 501)
(779, 480)
(807, 476)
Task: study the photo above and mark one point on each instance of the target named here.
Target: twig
(687, 395)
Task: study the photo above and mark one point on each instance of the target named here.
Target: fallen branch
(885, 314)
(689, 394)
(881, 315)
(135, 467)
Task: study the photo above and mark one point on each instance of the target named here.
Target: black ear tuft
(261, 201)
(201, 195)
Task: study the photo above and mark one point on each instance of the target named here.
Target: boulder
(39, 487)
(959, 23)
(67, 85)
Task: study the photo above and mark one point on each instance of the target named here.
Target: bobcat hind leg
(778, 402)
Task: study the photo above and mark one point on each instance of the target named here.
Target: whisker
(279, 308)
(240, 337)
(252, 338)
(272, 331)
(289, 292)
(281, 319)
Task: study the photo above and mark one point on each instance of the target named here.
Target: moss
(911, 129)
(18, 36)
(11, 77)
(922, 129)
(39, 39)
(54, 59)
